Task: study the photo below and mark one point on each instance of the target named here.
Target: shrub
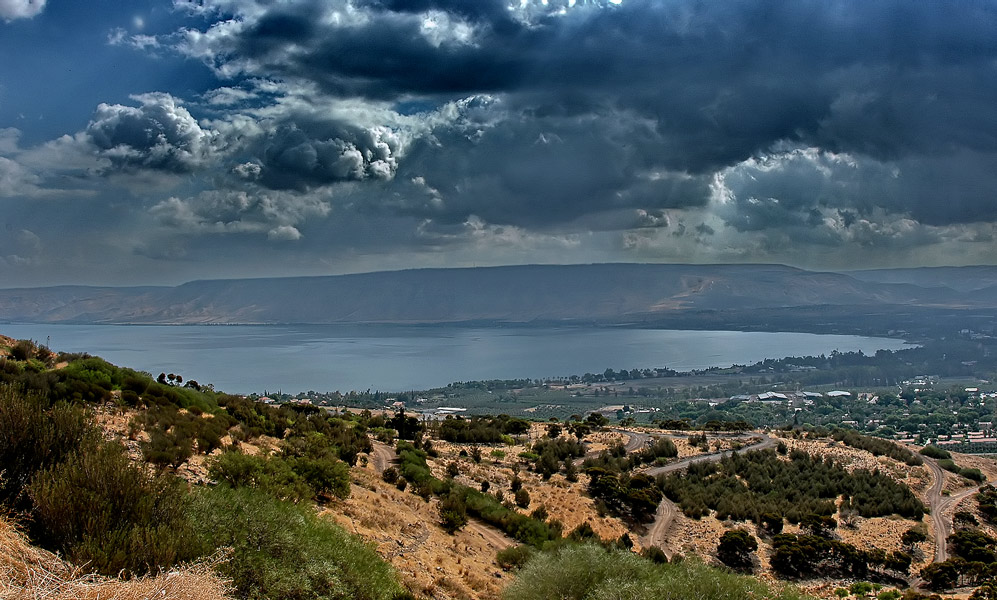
(973, 475)
(540, 513)
(280, 550)
(860, 588)
(453, 512)
(935, 452)
(590, 572)
(171, 448)
(735, 548)
(655, 555)
(390, 475)
(101, 510)
(514, 557)
(522, 498)
(34, 436)
(273, 475)
(325, 476)
(914, 536)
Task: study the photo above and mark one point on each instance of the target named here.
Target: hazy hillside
(611, 293)
(962, 279)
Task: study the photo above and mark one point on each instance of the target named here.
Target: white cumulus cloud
(20, 9)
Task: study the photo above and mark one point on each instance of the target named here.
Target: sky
(157, 142)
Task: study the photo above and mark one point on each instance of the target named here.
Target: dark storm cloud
(794, 187)
(302, 156)
(368, 132)
(674, 88)
(537, 173)
(159, 135)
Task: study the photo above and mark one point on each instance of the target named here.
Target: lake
(325, 358)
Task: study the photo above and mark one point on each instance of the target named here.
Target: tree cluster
(877, 446)
(747, 486)
(480, 430)
(632, 497)
(809, 556)
(553, 453)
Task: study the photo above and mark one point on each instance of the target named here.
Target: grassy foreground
(591, 572)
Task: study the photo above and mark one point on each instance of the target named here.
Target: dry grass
(29, 573)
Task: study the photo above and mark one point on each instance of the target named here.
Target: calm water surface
(246, 358)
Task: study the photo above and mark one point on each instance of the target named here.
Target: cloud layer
(818, 133)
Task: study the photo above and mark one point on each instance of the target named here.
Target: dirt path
(767, 442)
(489, 534)
(636, 440)
(941, 507)
(382, 456)
(657, 533)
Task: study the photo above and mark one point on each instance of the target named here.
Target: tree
(522, 498)
(913, 536)
(943, 575)
(819, 525)
(987, 591)
(771, 522)
(453, 512)
(735, 548)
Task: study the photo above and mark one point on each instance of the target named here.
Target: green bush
(284, 551)
(590, 572)
(514, 557)
(973, 475)
(34, 435)
(949, 465)
(99, 509)
(453, 512)
(735, 549)
(272, 475)
(935, 452)
(655, 555)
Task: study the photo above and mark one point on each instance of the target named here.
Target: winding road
(941, 505)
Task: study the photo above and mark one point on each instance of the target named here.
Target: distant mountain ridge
(603, 293)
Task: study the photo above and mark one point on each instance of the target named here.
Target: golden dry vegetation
(28, 573)
(404, 528)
